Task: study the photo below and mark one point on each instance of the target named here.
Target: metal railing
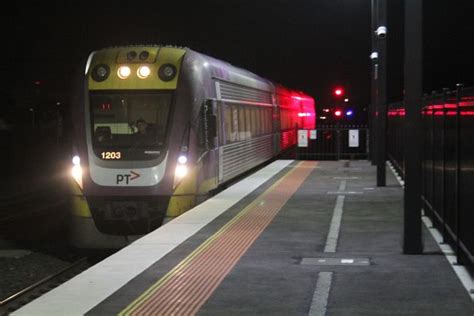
(334, 142)
(447, 163)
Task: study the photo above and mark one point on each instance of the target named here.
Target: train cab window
(134, 123)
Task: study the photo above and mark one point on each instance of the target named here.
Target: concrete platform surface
(295, 238)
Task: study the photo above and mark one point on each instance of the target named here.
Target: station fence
(334, 142)
(447, 163)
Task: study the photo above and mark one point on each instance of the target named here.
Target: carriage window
(248, 124)
(235, 124)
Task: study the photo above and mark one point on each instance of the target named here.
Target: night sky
(306, 45)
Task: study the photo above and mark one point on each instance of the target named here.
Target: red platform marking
(183, 290)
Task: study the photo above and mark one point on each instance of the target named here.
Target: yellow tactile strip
(184, 289)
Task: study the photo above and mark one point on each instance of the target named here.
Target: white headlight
(182, 159)
(181, 171)
(76, 161)
(123, 72)
(76, 173)
(143, 72)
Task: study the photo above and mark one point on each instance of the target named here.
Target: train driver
(142, 126)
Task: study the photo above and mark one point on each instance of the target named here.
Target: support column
(413, 72)
(373, 85)
(381, 33)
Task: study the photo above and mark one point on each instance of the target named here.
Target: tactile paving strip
(186, 288)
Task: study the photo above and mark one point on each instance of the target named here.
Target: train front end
(127, 153)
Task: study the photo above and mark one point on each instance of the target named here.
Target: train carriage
(158, 129)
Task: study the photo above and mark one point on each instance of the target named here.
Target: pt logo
(127, 177)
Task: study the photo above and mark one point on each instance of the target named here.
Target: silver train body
(207, 122)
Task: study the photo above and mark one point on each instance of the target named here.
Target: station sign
(353, 138)
(302, 138)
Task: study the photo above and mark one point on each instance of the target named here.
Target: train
(158, 129)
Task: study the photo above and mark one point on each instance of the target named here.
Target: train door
(210, 119)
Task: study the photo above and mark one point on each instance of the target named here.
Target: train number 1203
(109, 155)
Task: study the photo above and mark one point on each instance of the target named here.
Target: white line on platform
(333, 235)
(448, 252)
(323, 284)
(344, 192)
(321, 294)
(342, 185)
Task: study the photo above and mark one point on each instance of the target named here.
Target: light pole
(373, 84)
(380, 80)
(338, 94)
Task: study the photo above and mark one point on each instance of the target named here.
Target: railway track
(33, 291)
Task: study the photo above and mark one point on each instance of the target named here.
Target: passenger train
(159, 129)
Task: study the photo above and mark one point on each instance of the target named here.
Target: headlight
(100, 72)
(144, 55)
(124, 72)
(76, 160)
(131, 55)
(167, 72)
(181, 171)
(182, 159)
(76, 171)
(143, 72)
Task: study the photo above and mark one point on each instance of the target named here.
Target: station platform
(294, 238)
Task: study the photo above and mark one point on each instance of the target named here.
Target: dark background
(311, 46)
(308, 45)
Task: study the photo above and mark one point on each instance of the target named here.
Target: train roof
(224, 71)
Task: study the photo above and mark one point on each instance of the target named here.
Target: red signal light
(338, 92)
(338, 113)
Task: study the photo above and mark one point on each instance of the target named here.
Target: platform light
(124, 72)
(143, 72)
